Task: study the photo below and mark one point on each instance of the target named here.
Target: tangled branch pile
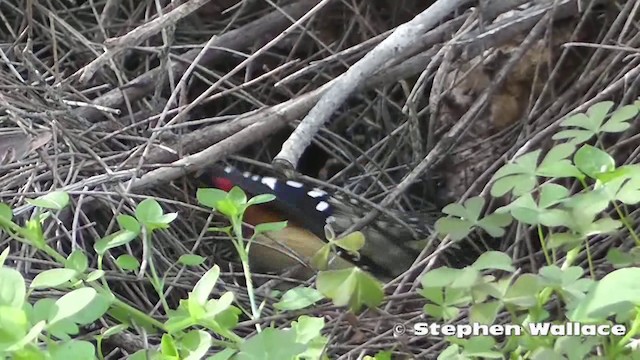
(125, 99)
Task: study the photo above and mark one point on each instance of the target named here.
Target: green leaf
(352, 287)
(128, 222)
(494, 224)
(205, 285)
(191, 259)
(308, 331)
(593, 161)
(74, 349)
(307, 328)
(433, 294)
(597, 112)
(270, 226)
(55, 200)
(298, 298)
(228, 208)
(525, 209)
(4, 255)
(196, 343)
(621, 259)
(552, 194)
(440, 277)
(518, 177)
(523, 292)
(320, 259)
(77, 261)
(271, 344)
(72, 304)
(33, 233)
(210, 197)
(237, 196)
(556, 165)
(114, 330)
(128, 262)
(619, 119)
(114, 240)
(5, 212)
(469, 211)
(148, 211)
(215, 307)
(94, 275)
(225, 354)
(12, 288)
(485, 313)
(33, 333)
(53, 278)
(352, 242)
(574, 347)
(629, 192)
(261, 199)
(593, 123)
(441, 312)
(456, 228)
(494, 260)
(576, 136)
(617, 292)
(481, 347)
(14, 326)
(564, 240)
(168, 347)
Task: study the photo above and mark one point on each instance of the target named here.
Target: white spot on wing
(228, 169)
(246, 174)
(255, 178)
(270, 182)
(322, 206)
(315, 193)
(294, 184)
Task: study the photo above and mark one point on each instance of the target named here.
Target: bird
(309, 211)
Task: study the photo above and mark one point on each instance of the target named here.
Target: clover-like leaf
(593, 122)
(271, 344)
(616, 292)
(467, 216)
(352, 242)
(494, 224)
(518, 177)
(352, 287)
(494, 260)
(619, 119)
(526, 210)
(298, 298)
(556, 163)
(593, 161)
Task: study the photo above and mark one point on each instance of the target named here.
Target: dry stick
(238, 39)
(397, 43)
(136, 36)
(296, 24)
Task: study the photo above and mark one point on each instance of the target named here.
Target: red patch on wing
(222, 183)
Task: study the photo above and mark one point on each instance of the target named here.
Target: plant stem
(244, 258)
